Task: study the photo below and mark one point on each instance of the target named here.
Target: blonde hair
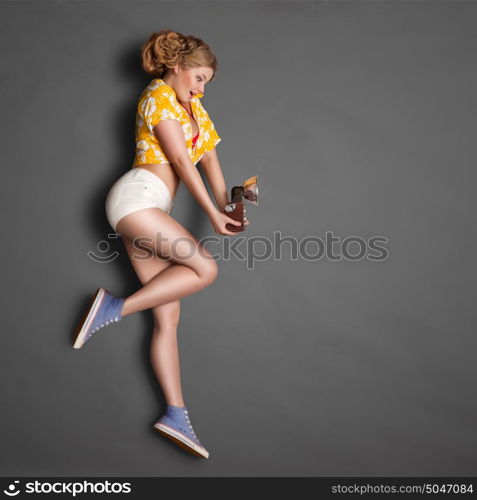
(168, 48)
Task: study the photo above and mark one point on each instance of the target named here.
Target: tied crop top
(159, 102)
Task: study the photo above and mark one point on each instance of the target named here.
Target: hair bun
(168, 48)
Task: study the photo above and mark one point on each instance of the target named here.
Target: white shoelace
(107, 323)
(188, 421)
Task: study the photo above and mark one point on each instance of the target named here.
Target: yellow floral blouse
(158, 102)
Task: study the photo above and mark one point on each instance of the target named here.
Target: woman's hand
(219, 220)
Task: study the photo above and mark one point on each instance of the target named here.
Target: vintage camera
(236, 208)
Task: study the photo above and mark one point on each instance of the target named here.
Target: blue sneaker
(104, 309)
(175, 425)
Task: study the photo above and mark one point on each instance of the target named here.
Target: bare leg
(164, 347)
(166, 364)
(192, 267)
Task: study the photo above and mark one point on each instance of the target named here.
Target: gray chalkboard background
(359, 119)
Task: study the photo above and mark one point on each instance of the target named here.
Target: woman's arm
(213, 171)
(171, 138)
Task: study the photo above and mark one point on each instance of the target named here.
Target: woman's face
(192, 81)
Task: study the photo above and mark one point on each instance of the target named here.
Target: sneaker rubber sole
(181, 440)
(87, 319)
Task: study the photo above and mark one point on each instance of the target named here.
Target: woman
(173, 132)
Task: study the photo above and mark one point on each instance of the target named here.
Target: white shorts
(138, 188)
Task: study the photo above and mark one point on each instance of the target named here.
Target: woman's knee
(208, 268)
(167, 316)
(208, 271)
